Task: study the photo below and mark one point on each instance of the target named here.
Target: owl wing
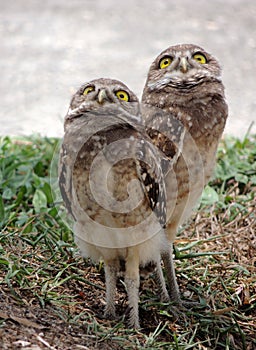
(150, 169)
(65, 179)
(166, 131)
(152, 161)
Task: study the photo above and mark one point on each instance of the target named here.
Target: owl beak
(183, 65)
(102, 96)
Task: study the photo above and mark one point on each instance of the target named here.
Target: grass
(53, 299)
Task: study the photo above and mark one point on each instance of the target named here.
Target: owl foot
(110, 313)
(182, 310)
(186, 305)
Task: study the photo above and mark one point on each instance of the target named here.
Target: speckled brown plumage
(112, 183)
(184, 83)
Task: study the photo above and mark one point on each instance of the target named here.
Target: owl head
(102, 96)
(102, 92)
(182, 68)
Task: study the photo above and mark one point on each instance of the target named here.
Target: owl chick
(184, 84)
(112, 183)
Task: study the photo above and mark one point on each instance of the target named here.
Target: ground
(50, 298)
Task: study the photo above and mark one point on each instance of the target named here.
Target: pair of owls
(130, 172)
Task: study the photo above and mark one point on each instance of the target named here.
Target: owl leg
(171, 277)
(173, 285)
(164, 296)
(132, 282)
(111, 270)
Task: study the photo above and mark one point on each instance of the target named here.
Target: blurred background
(49, 48)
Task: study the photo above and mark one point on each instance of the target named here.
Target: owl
(111, 178)
(184, 84)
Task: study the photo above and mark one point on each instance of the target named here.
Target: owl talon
(110, 315)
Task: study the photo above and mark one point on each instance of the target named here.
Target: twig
(22, 321)
(45, 343)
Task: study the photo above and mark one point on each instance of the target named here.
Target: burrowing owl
(112, 183)
(184, 81)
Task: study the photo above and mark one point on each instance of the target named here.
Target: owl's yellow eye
(122, 95)
(165, 62)
(200, 58)
(88, 90)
